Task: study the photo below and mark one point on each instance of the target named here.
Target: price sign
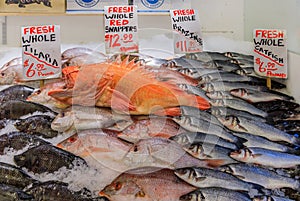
(270, 53)
(41, 52)
(121, 29)
(187, 37)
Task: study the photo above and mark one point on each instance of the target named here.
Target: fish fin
(242, 128)
(176, 111)
(121, 102)
(214, 163)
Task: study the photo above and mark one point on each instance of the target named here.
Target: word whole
(186, 25)
(121, 29)
(41, 52)
(270, 53)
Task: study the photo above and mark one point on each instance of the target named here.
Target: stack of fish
(198, 128)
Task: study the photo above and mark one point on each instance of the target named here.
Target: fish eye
(2, 74)
(62, 114)
(38, 92)
(202, 86)
(135, 148)
(118, 186)
(72, 139)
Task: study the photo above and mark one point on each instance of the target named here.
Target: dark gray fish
(12, 193)
(189, 138)
(58, 191)
(18, 141)
(208, 56)
(272, 106)
(19, 92)
(12, 175)
(14, 109)
(225, 111)
(38, 124)
(194, 90)
(288, 126)
(46, 158)
(214, 194)
(228, 86)
(3, 123)
(271, 198)
(236, 55)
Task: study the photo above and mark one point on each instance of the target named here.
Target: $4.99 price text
(116, 40)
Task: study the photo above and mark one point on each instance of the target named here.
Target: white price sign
(188, 36)
(121, 29)
(270, 52)
(41, 52)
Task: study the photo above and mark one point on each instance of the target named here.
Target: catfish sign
(270, 53)
(41, 52)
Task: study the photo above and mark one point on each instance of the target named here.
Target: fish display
(136, 127)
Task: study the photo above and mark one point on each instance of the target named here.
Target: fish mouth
(103, 194)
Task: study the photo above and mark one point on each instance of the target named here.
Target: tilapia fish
(262, 176)
(46, 158)
(14, 109)
(215, 194)
(160, 185)
(12, 175)
(59, 191)
(18, 140)
(124, 87)
(11, 74)
(266, 157)
(38, 124)
(204, 178)
(20, 92)
(12, 62)
(12, 193)
(240, 124)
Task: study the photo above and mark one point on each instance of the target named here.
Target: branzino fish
(20, 92)
(262, 176)
(204, 178)
(46, 158)
(208, 56)
(188, 63)
(38, 124)
(266, 157)
(14, 109)
(236, 55)
(240, 124)
(215, 194)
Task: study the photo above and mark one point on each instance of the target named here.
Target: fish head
(196, 150)
(70, 144)
(181, 139)
(26, 159)
(241, 154)
(226, 169)
(7, 76)
(241, 92)
(208, 87)
(193, 196)
(229, 121)
(21, 124)
(186, 173)
(63, 121)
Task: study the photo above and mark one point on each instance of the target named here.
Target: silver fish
(228, 86)
(227, 76)
(194, 90)
(240, 124)
(188, 63)
(204, 178)
(188, 138)
(238, 105)
(194, 124)
(266, 157)
(226, 65)
(262, 176)
(196, 73)
(219, 95)
(206, 56)
(244, 63)
(215, 194)
(257, 96)
(236, 55)
(270, 198)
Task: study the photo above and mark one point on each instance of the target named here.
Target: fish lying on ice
(20, 92)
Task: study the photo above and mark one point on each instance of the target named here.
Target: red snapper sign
(270, 53)
(41, 52)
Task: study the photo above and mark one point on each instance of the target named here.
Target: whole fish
(147, 187)
(228, 86)
(207, 56)
(58, 191)
(215, 155)
(77, 51)
(188, 138)
(12, 62)
(194, 90)
(81, 118)
(238, 105)
(236, 55)
(38, 124)
(11, 74)
(20, 92)
(204, 178)
(18, 141)
(14, 109)
(12, 193)
(12, 175)
(266, 157)
(195, 124)
(276, 105)
(240, 124)
(257, 141)
(227, 111)
(46, 158)
(270, 198)
(257, 96)
(262, 176)
(215, 194)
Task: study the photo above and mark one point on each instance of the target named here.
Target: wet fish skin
(207, 56)
(260, 175)
(236, 55)
(266, 157)
(240, 124)
(226, 65)
(18, 141)
(12, 193)
(12, 175)
(195, 73)
(14, 109)
(182, 62)
(270, 198)
(188, 138)
(228, 86)
(227, 76)
(215, 194)
(276, 105)
(85, 59)
(204, 178)
(46, 158)
(219, 95)
(194, 90)
(3, 123)
(38, 124)
(20, 92)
